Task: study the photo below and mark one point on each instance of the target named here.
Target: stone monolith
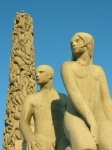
(21, 77)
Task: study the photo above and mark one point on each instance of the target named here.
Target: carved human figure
(88, 117)
(15, 75)
(47, 107)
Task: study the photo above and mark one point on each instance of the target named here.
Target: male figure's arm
(25, 118)
(105, 96)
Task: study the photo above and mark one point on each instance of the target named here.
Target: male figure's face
(42, 75)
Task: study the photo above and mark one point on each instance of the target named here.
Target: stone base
(20, 145)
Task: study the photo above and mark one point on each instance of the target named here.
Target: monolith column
(21, 77)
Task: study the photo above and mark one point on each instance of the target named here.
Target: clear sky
(55, 22)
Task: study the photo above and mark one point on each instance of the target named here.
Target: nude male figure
(47, 107)
(88, 117)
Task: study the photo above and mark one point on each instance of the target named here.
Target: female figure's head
(80, 42)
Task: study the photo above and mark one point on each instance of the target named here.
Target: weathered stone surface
(88, 117)
(21, 77)
(20, 145)
(47, 107)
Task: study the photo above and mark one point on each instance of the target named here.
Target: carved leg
(78, 133)
(105, 134)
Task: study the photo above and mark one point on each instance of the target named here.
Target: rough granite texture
(47, 107)
(21, 77)
(88, 117)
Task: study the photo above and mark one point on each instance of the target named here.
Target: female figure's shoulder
(98, 71)
(97, 68)
(68, 65)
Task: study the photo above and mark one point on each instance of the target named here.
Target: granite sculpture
(47, 106)
(21, 77)
(88, 117)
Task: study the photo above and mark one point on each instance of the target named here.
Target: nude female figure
(88, 117)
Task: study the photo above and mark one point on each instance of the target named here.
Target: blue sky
(55, 22)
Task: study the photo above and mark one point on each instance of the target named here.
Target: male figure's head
(44, 74)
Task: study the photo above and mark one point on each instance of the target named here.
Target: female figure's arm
(105, 96)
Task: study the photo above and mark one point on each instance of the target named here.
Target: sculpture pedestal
(20, 145)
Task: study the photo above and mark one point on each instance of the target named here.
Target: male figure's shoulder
(32, 98)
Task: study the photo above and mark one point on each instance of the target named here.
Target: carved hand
(34, 144)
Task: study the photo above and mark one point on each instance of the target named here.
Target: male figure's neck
(47, 87)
